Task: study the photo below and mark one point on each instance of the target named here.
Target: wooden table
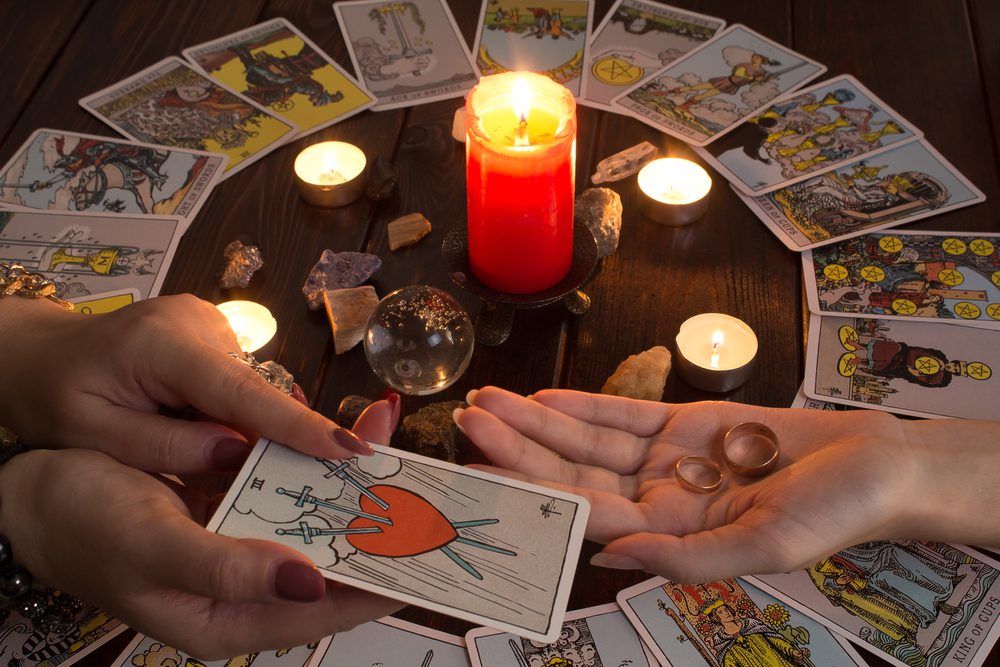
(936, 62)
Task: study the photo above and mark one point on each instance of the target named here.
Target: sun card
(548, 37)
(912, 603)
(823, 127)
(172, 104)
(406, 52)
(594, 637)
(635, 40)
(475, 546)
(147, 652)
(106, 302)
(902, 185)
(925, 276)
(714, 88)
(67, 171)
(390, 642)
(23, 646)
(922, 369)
(728, 622)
(282, 70)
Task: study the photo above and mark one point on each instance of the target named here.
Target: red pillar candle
(520, 168)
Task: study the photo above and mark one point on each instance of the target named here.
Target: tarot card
(728, 622)
(714, 88)
(912, 368)
(548, 37)
(172, 104)
(87, 253)
(636, 39)
(815, 130)
(803, 401)
(390, 642)
(280, 69)
(145, 651)
(596, 637)
(106, 302)
(904, 184)
(487, 549)
(24, 646)
(68, 171)
(899, 275)
(913, 603)
(406, 52)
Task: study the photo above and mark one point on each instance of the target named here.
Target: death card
(914, 604)
(902, 185)
(406, 52)
(483, 548)
(927, 276)
(389, 642)
(636, 39)
(86, 253)
(548, 37)
(279, 68)
(594, 637)
(88, 628)
(145, 651)
(172, 104)
(67, 171)
(728, 622)
(714, 88)
(922, 369)
(826, 126)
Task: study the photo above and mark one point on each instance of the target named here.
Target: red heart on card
(417, 526)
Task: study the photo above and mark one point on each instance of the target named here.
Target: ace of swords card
(483, 548)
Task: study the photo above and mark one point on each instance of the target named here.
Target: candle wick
(521, 133)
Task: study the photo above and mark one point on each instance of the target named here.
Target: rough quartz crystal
(641, 376)
(338, 270)
(623, 164)
(601, 210)
(242, 261)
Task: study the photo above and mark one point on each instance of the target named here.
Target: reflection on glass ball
(419, 340)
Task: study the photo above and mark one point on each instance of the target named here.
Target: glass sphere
(419, 340)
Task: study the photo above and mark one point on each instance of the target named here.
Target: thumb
(379, 420)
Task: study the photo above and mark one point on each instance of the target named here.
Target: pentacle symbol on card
(981, 247)
(967, 311)
(872, 274)
(848, 337)
(993, 310)
(995, 278)
(847, 365)
(953, 246)
(615, 69)
(903, 307)
(890, 244)
(977, 370)
(835, 272)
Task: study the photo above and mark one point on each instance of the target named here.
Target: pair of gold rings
(749, 449)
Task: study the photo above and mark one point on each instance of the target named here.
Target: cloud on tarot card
(760, 94)
(716, 111)
(324, 550)
(262, 498)
(378, 466)
(736, 55)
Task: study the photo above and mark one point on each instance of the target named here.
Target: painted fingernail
(299, 395)
(229, 454)
(470, 398)
(455, 414)
(392, 398)
(350, 441)
(616, 562)
(396, 406)
(299, 582)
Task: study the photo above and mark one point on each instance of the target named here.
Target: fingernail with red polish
(299, 395)
(229, 454)
(350, 441)
(392, 398)
(299, 582)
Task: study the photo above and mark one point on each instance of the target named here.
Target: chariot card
(172, 104)
(390, 642)
(922, 369)
(814, 130)
(24, 646)
(636, 39)
(487, 549)
(282, 70)
(711, 90)
(144, 651)
(406, 52)
(902, 185)
(912, 603)
(728, 622)
(929, 276)
(547, 36)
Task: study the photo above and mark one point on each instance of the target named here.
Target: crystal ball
(419, 340)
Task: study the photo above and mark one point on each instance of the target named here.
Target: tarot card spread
(389, 642)
(479, 547)
(145, 651)
(87, 629)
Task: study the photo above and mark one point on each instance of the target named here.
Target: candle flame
(521, 99)
(717, 339)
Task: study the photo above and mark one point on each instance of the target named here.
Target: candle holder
(496, 317)
(675, 191)
(330, 174)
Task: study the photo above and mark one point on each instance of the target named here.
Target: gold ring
(704, 465)
(751, 441)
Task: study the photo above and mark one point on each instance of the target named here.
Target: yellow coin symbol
(847, 364)
(993, 310)
(953, 246)
(981, 247)
(848, 336)
(967, 311)
(873, 274)
(927, 365)
(995, 278)
(890, 244)
(834, 272)
(951, 277)
(977, 370)
(904, 307)
(616, 71)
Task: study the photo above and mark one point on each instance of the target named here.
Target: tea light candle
(329, 174)
(715, 352)
(676, 191)
(252, 323)
(521, 170)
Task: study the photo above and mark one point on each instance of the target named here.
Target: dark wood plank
(985, 23)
